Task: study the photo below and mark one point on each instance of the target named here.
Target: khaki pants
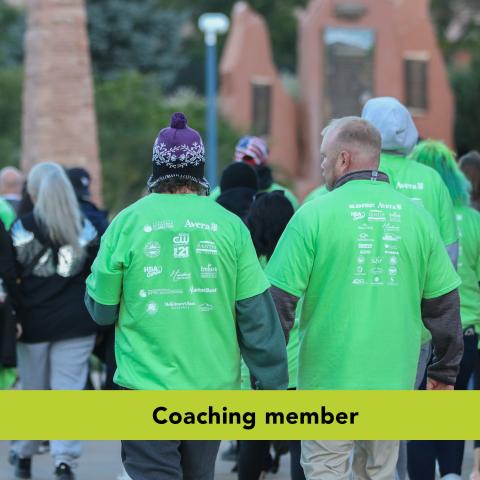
(332, 459)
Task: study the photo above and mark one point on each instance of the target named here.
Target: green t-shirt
(468, 221)
(424, 186)
(7, 214)
(363, 257)
(215, 193)
(7, 378)
(314, 194)
(176, 264)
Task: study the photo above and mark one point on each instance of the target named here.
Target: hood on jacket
(393, 120)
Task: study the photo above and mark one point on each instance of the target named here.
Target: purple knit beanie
(178, 152)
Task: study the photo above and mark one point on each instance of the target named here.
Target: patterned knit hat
(178, 152)
(253, 148)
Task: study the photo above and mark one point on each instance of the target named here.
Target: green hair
(439, 157)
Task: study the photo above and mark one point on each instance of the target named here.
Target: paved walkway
(101, 461)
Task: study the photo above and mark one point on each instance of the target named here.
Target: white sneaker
(451, 476)
(123, 475)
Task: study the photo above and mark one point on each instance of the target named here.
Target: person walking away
(178, 275)
(423, 455)
(420, 183)
(11, 185)
(267, 219)
(470, 165)
(254, 152)
(54, 247)
(239, 185)
(393, 261)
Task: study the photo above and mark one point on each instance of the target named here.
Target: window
(349, 62)
(416, 82)
(261, 108)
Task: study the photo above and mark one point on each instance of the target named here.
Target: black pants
(170, 459)
(422, 454)
(254, 457)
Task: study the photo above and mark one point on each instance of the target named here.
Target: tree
(10, 116)
(138, 36)
(12, 28)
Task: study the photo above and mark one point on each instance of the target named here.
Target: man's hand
(436, 385)
(475, 475)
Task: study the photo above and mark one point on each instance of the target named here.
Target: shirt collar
(373, 175)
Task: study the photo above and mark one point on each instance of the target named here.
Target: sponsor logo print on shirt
(152, 271)
(159, 291)
(159, 225)
(395, 217)
(206, 307)
(152, 308)
(358, 281)
(179, 305)
(181, 247)
(376, 216)
(357, 216)
(152, 249)
(202, 290)
(388, 227)
(178, 275)
(211, 227)
(410, 186)
(207, 247)
(209, 271)
(391, 238)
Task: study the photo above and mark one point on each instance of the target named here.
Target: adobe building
(252, 94)
(350, 51)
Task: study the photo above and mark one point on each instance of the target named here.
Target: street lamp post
(212, 24)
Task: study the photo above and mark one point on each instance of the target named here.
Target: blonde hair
(56, 207)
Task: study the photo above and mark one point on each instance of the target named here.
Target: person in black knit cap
(239, 184)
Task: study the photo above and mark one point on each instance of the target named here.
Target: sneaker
(23, 466)
(64, 472)
(44, 447)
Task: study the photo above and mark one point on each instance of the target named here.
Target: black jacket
(49, 298)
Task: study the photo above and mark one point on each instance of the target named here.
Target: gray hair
(356, 130)
(11, 180)
(56, 207)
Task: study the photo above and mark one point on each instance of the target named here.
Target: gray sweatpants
(335, 459)
(170, 459)
(61, 365)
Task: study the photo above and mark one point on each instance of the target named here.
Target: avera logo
(152, 249)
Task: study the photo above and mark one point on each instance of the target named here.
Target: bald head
(11, 181)
(349, 144)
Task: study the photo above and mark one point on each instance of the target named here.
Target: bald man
(369, 264)
(11, 184)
